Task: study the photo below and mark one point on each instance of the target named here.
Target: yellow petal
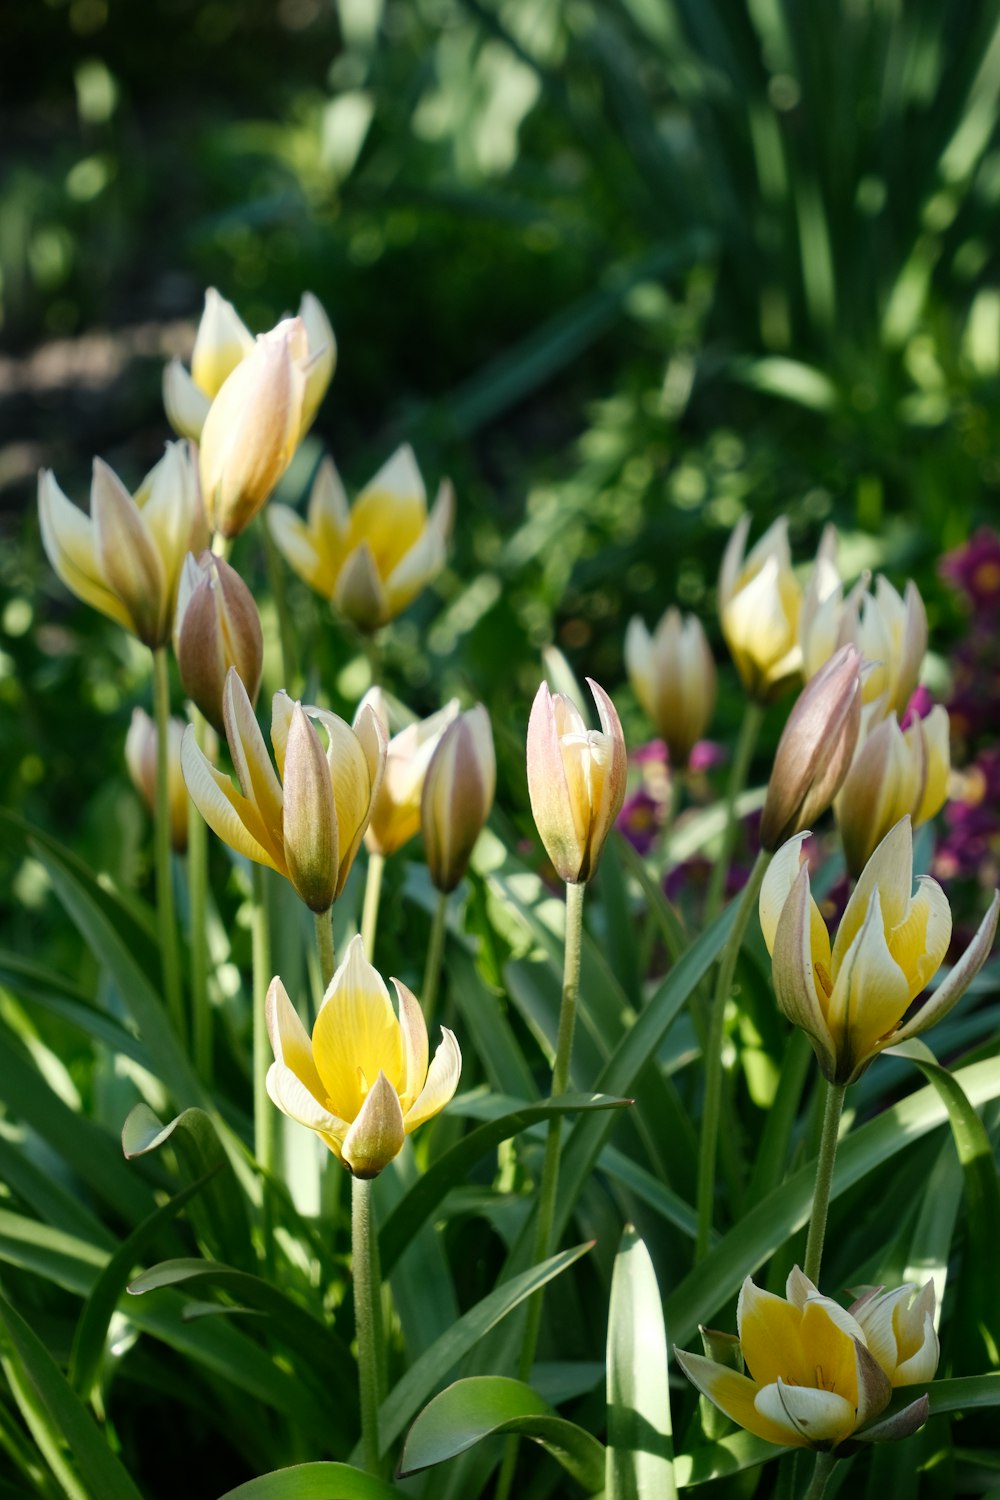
(185, 405)
(289, 1039)
(390, 512)
(292, 1097)
(639, 664)
(127, 556)
(828, 1335)
(251, 762)
(800, 971)
(228, 813)
(298, 547)
(442, 1081)
(870, 996)
(425, 558)
(735, 1395)
(351, 782)
(921, 940)
(770, 1337)
(68, 538)
(222, 342)
(951, 989)
(413, 1029)
(890, 871)
(356, 1036)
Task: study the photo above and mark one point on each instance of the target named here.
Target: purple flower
(974, 569)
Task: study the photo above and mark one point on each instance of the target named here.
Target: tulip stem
(373, 894)
(363, 1268)
(197, 865)
(753, 718)
(820, 1476)
(263, 1110)
(708, 1145)
(435, 953)
(169, 950)
(324, 945)
(832, 1109)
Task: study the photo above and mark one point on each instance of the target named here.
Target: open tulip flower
(362, 1081)
(223, 341)
(396, 815)
(576, 779)
(851, 999)
(125, 558)
(895, 773)
(372, 559)
(309, 825)
(760, 603)
(812, 1380)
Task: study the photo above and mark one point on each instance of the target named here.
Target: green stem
(373, 652)
(549, 1188)
(169, 950)
(263, 1109)
(713, 1053)
(367, 1292)
(820, 1476)
(276, 581)
(435, 953)
(753, 718)
(197, 869)
(373, 893)
(324, 945)
(832, 1109)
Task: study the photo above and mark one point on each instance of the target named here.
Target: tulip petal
(819, 1419)
(415, 1049)
(874, 1389)
(350, 777)
(442, 1081)
(228, 813)
(829, 1335)
(127, 556)
(552, 806)
(798, 964)
(734, 1394)
(770, 1337)
(356, 1035)
(358, 592)
(921, 940)
(221, 343)
(329, 513)
(323, 355)
(282, 709)
(377, 1135)
(292, 1097)
(309, 821)
(289, 1039)
(68, 538)
(185, 405)
(951, 990)
(870, 996)
(779, 878)
(608, 774)
(732, 559)
(298, 546)
(890, 871)
(901, 1424)
(251, 761)
(425, 558)
(639, 665)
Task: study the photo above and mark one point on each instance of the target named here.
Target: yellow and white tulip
(851, 999)
(396, 815)
(898, 1326)
(459, 786)
(672, 673)
(370, 560)
(896, 773)
(362, 1081)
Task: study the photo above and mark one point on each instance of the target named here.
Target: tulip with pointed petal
(125, 558)
(457, 796)
(310, 828)
(372, 559)
(812, 1380)
(140, 758)
(216, 627)
(396, 814)
(362, 1082)
(899, 1330)
(672, 673)
(851, 999)
(576, 779)
(896, 772)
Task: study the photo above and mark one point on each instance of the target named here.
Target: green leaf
(220, 1220)
(766, 1226)
(320, 1481)
(61, 997)
(740, 1450)
(455, 1165)
(640, 1442)
(432, 1368)
(100, 1471)
(92, 1328)
(978, 1307)
(487, 1406)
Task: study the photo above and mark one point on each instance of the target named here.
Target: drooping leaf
(317, 1481)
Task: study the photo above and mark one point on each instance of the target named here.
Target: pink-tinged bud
(140, 758)
(309, 824)
(459, 786)
(253, 427)
(896, 773)
(815, 750)
(216, 627)
(673, 674)
(576, 779)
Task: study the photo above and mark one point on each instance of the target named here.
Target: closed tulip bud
(760, 602)
(361, 1081)
(892, 635)
(811, 1380)
(396, 815)
(372, 559)
(852, 999)
(815, 749)
(899, 1330)
(216, 627)
(896, 773)
(576, 779)
(459, 785)
(672, 673)
(140, 757)
(310, 829)
(125, 558)
(253, 428)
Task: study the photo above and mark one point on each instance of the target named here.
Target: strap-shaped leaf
(320, 1481)
(640, 1441)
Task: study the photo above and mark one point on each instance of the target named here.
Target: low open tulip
(396, 815)
(140, 758)
(672, 673)
(125, 558)
(896, 773)
(811, 1380)
(458, 791)
(216, 627)
(370, 560)
(852, 999)
(576, 779)
(223, 341)
(361, 1081)
(310, 828)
